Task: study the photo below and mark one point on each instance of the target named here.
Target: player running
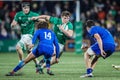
(63, 29)
(45, 47)
(22, 19)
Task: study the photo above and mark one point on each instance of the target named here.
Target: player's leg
(42, 62)
(94, 50)
(47, 60)
(36, 64)
(28, 41)
(90, 64)
(84, 47)
(21, 64)
(47, 65)
(21, 45)
(87, 59)
(110, 50)
(35, 60)
(48, 55)
(19, 48)
(94, 61)
(20, 53)
(53, 61)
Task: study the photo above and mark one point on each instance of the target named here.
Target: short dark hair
(42, 24)
(24, 4)
(66, 13)
(89, 23)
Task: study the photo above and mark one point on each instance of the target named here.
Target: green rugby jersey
(26, 25)
(60, 35)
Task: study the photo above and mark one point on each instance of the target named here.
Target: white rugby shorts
(25, 40)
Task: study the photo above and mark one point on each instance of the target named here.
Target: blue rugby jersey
(46, 37)
(104, 34)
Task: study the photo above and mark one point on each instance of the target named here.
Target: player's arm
(57, 48)
(14, 23)
(68, 33)
(46, 17)
(100, 44)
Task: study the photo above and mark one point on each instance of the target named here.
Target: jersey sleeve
(54, 20)
(93, 31)
(35, 36)
(70, 26)
(57, 46)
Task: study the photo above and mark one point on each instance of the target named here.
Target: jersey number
(47, 35)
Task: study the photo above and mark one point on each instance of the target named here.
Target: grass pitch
(70, 67)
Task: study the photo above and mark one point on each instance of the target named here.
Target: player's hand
(57, 60)
(31, 46)
(84, 47)
(103, 54)
(61, 27)
(34, 18)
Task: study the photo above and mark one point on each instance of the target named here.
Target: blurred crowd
(105, 12)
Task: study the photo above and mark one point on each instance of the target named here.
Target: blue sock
(89, 70)
(19, 66)
(48, 64)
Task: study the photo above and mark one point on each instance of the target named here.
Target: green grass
(70, 67)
